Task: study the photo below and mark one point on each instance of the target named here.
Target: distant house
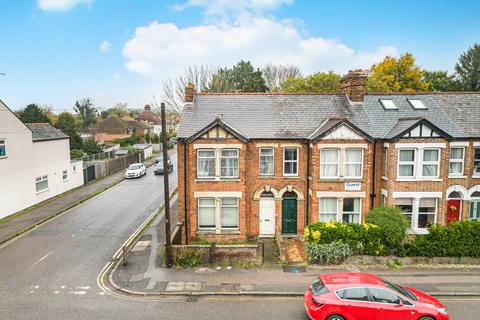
(151, 118)
(34, 163)
(114, 127)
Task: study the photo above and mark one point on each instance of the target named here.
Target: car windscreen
(317, 287)
(403, 291)
(134, 166)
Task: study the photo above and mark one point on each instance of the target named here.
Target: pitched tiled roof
(296, 116)
(150, 116)
(45, 131)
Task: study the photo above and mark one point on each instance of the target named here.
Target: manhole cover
(294, 269)
(192, 299)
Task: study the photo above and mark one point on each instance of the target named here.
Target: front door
(289, 216)
(267, 216)
(454, 207)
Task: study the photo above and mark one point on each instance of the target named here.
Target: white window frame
(260, 161)
(352, 163)
(474, 204)
(461, 161)
(65, 175)
(320, 213)
(430, 163)
(291, 161)
(409, 163)
(214, 159)
(200, 228)
(417, 104)
(230, 157)
(385, 164)
(388, 104)
(330, 163)
(412, 222)
(41, 179)
(435, 214)
(348, 212)
(416, 211)
(237, 206)
(476, 173)
(3, 142)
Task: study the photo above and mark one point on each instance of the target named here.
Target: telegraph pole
(168, 242)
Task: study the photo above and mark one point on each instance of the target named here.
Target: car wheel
(335, 317)
(426, 318)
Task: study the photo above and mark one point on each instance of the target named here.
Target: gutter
(185, 217)
(372, 194)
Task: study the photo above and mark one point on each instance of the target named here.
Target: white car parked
(135, 170)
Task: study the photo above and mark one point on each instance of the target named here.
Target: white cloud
(105, 46)
(117, 76)
(60, 5)
(163, 49)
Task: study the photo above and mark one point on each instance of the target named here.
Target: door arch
(267, 214)
(289, 213)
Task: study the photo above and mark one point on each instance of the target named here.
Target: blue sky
(52, 50)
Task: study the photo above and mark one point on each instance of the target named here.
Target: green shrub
(76, 154)
(325, 253)
(187, 258)
(458, 239)
(393, 224)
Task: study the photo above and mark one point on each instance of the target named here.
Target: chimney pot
(189, 92)
(353, 84)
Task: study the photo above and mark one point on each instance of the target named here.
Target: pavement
(145, 274)
(11, 227)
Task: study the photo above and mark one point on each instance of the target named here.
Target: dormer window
(417, 104)
(388, 104)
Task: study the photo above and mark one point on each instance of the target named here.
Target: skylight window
(388, 104)
(417, 104)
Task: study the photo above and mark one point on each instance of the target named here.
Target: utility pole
(168, 242)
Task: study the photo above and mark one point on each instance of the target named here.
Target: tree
(147, 137)
(86, 111)
(320, 82)
(119, 110)
(155, 138)
(222, 81)
(90, 146)
(66, 123)
(468, 69)
(396, 75)
(441, 81)
(33, 113)
(276, 74)
(247, 79)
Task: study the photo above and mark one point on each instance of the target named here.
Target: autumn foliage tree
(320, 82)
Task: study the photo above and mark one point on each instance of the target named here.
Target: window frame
(3, 143)
(209, 228)
(431, 163)
(237, 206)
(330, 163)
(476, 161)
(260, 161)
(435, 213)
(352, 163)
(385, 164)
(327, 213)
(461, 161)
(65, 175)
(359, 213)
(348, 288)
(407, 163)
(386, 104)
(214, 161)
(291, 161)
(230, 157)
(42, 179)
(411, 213)
(417, 104)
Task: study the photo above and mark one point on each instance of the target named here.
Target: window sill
(66, 180)
(42, 191)
(342, 179)
(214, 232)
(291, 177)
(418, 180)
(266, 177)
(218, 180)
(3, 157)
(456, 177)
(417, 231)
(384, 178)
(476, 177)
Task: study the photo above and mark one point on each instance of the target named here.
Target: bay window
(329, 163)
(427, 211)
(406, 204)
(206, 163)
(420, 212)
(328, 209)
(229, 163)
(406, 163)
(266, 162)
(290, 162)
(431, 162)
(457, 156)
(351, 210)
(353, 163)
(229, 213)
(206, 213)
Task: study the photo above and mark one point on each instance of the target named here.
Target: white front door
(267, 216)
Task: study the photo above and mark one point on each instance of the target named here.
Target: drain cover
(294, 269)
(192, 299)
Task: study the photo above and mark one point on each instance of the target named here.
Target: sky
(55, 52)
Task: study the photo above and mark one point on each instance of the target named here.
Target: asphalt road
(50, 273)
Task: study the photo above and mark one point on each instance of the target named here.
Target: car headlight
(442, 311)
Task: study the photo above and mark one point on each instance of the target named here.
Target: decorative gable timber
(421, 131)
(218, 129)
(339, 129)
(415, 128)
(343, 132)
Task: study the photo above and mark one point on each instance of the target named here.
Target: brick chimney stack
(189, 92)
(147, 107)
(353, 85)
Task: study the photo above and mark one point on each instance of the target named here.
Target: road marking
(56, 292)
(78, 292)
(42, 258)
(83, 288)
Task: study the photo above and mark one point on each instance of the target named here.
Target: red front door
(453, 210)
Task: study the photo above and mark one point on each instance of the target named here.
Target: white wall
(26, 160)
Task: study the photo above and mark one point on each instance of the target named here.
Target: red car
(363, 296)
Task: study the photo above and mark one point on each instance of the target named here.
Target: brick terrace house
(266, 164)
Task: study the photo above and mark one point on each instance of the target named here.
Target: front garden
(384, 234)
